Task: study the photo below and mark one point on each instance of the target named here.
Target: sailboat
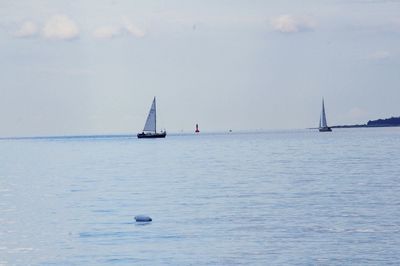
(150, 128)
(323, 125)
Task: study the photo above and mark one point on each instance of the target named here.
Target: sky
(70, 67)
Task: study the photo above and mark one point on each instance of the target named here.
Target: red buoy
(197, 128)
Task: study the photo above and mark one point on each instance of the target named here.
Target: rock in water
(143, 218)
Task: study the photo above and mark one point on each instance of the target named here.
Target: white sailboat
(150, 128)
(323, 125)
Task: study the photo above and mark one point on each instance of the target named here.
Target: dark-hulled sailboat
(150, 128)
(323, 125)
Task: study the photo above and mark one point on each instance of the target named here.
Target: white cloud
(132, 28)
(27, 29)
(106, 32)
(125, 28)
(60, 27)
(292, 24)
(379, 55)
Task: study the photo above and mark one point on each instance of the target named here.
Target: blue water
(273, 198)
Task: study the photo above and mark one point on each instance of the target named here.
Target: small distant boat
(323, 125)
(150, 128)
(197, 129)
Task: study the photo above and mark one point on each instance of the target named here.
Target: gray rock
(142, 218)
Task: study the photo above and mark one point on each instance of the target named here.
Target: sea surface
(266, 198)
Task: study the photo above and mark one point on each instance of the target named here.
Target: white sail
(151, 118)
(322, 120)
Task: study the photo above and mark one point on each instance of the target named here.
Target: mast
(323, 114)
(322, 120)
(155, 115)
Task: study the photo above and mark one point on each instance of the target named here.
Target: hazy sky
(93, 66)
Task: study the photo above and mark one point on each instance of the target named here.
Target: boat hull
(325, 129)
(151, 135)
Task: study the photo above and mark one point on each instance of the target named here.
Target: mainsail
(322, 120)
(151, 118)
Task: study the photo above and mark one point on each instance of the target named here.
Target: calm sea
(272, 198)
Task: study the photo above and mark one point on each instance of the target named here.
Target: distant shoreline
(388, 122)
(362, 126)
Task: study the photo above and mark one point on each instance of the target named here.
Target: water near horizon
(273, 198)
